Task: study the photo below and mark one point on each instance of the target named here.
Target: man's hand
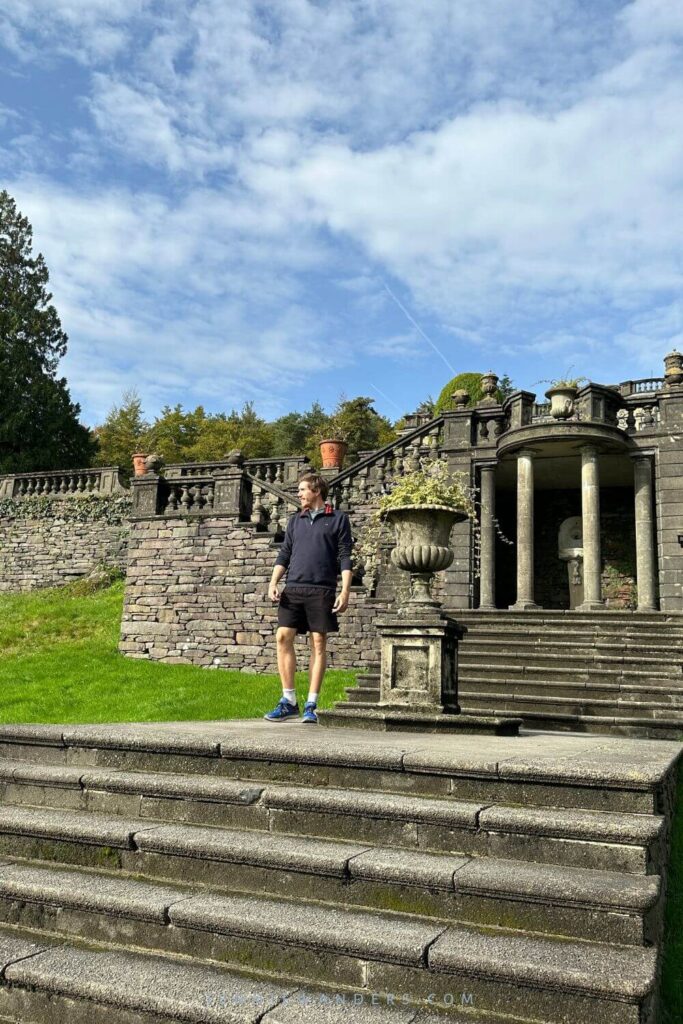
(273, 592)
(342, 602)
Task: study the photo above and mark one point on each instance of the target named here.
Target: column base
(525, 606)
(646, 608)
(590, 606)
(487, 608)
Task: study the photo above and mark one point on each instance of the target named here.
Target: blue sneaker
(283, 710)
(309, 714)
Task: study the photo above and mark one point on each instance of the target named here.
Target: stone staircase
(241, 871)
(617, 672)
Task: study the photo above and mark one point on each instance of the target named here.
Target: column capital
(487, 466)
(591, 450)
(526, 453)
(642, 455)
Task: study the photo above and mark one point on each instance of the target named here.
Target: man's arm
(344, 549)
(281, 564)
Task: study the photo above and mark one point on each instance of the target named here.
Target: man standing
(317, 543)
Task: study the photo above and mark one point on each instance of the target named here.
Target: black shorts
(307, 609)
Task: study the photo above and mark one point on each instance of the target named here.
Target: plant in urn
(423, 508)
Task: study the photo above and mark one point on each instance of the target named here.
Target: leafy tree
(123, 433)
(175, 433)
(471, 383)
(219, 434)
(39, 427)
(293, 433)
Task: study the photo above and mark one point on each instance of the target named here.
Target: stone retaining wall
(51, 552)
(197, 594)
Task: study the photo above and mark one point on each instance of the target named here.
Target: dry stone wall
(51, 552)
(197, 594)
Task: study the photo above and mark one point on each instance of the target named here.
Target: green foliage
(122, 434)
(59, 663)
(175, 433)
(220, 433)
(293, 433)
(39, 426)
(469, 382)
(432, 484)
(90, 508)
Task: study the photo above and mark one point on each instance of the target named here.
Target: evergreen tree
(123, 433)
(39, 427)
(220, 433)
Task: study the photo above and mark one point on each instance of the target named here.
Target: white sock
(312, 698)
(290, 695)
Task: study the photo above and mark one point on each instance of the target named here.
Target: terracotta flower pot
(140, 463)
(332, 453)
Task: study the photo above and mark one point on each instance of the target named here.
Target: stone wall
(197, 594)
(51, 552)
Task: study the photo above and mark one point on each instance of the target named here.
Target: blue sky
(258, 201)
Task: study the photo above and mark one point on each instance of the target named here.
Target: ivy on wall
(113, 510)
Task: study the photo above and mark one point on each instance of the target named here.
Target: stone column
(645, 542)
(525, 530)
(590, 511)
(487, 568)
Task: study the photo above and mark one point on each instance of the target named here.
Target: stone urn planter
(423, 546)
(562, 398)
(332, 452)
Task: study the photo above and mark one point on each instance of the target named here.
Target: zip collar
(327, 511)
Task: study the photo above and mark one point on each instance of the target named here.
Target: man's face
(307, 496)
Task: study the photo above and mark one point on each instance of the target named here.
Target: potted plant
(422, 508)
(333, 445)
(562, 394)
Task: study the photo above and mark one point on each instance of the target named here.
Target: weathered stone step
(656, 689)
(548, 980)
(646, 728)
(590, 655)
(70, 984)
(558, 669)
(559, 900)
(610, 841)
(508, 701)
(561, 771)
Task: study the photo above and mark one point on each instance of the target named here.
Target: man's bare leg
(317, 664)
(286, 656)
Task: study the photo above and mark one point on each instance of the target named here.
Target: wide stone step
(610, 776)
(663, 662)
(560, 900)
(667, 728)
(558, 669)
(510, 700)
(61, 983)
(314, 837)
(546, 980)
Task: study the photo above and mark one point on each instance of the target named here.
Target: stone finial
(154, 463)
(489, 385)
(235, 457)
(460, 398)
(673, 368)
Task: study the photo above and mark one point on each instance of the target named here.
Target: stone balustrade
(189, 494)
(370, 477)
(60, 483)
(283, 472)
(647, 385)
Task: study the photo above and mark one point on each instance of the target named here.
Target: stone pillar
(525, 530)
(645, 541)
(487, 568)
(590, 512)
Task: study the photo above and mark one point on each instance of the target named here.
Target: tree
(175, 433)
(122, 433)
(220, 434)
(39, 427)
(471, 383)
(293, 433)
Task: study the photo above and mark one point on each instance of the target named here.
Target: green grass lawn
(59, 663)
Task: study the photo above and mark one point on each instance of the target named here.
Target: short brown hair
(316, 483)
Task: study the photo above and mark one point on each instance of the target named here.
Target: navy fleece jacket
(314, 550)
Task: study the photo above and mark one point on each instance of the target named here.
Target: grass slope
(59, 663)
